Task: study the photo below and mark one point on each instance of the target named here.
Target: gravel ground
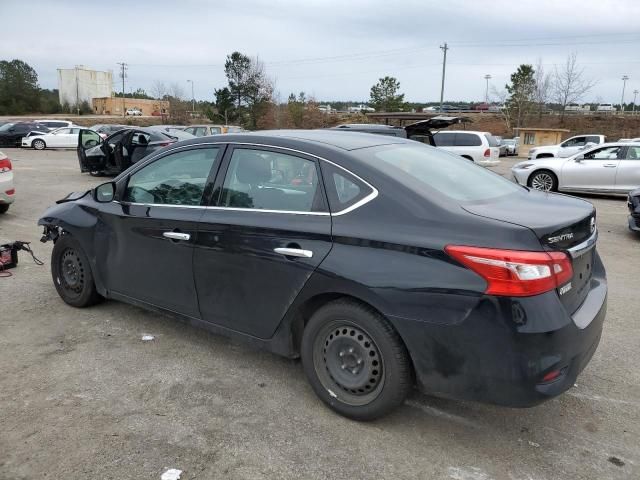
(83, 397)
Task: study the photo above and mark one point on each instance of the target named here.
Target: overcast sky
(329, 49)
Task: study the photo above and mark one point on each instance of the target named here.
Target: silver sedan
(610, 168)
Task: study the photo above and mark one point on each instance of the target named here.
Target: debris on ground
(147, 338)
(171, 474)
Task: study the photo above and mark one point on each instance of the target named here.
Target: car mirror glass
(105, 193)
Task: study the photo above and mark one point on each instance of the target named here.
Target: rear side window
(266, 180)
(343, 189)
(444, 139)
(467, 140)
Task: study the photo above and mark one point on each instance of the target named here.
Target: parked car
(135, 112)
(108, 129)
(7, 188)
(206, 130)
(60, 138)
(605, 107)
(177, 133)
(431, 269)
(421, 131)
(53, 124)
(512, 145)
(630, 139)
(11, 133)
(633, 203)
(119, 151)
(479, 147)
(567, 148)
(501, 146)
(611, 169)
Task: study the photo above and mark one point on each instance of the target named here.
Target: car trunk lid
(561, 223)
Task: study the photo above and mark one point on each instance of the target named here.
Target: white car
(611, 169)
(569, 147)
(134, 112)
(605, 107)
(54, 124)
(60, 138)
(7, 189)
(479, 147)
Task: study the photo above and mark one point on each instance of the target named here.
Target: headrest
(252, 169)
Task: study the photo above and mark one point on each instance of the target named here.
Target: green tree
(521, 92)
(224, 105)
(385, 96)
(237, 68)
(19, 92)
(295, 109)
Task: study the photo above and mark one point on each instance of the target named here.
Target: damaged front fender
(69, 216)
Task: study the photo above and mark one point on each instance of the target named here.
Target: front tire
(355, 361)
(39, 144)
(71, 273)
(4, 208)
(543, 180)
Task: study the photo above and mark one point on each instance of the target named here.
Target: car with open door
(380, 261)
(609, 169)
(117, 152)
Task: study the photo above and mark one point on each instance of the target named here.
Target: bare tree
(569, 83)
(159, 89)
(176, 91)
(542, 90)
(501, 97)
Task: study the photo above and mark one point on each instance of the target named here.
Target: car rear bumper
(7, 189)
(488, 163)
(634, 222)
(501, 350)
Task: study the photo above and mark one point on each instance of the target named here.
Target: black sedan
(380, 261)
(633, 202)
(11, 133)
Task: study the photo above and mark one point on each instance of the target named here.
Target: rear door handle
(610, 165)
(176, 235)
(294, 252)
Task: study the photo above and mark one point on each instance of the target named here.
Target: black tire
(71, 273)
(4, 208)
(96, 173)
(468, 158)
(543, 180)
(39, 144)
(355, 361)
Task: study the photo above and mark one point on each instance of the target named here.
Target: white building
(79, 84)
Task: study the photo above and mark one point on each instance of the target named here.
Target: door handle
(610, 165)
(176, 235)
(294, 252)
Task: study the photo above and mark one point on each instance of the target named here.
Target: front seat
(254, 171)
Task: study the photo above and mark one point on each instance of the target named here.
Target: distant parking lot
(83, 396)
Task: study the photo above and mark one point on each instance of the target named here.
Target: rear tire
(4, 208)
(71, 273)
(543, 180)
(355, 361)
(39, 144)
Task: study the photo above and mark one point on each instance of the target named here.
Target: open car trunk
(422, 130)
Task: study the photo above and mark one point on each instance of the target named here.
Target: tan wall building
(535, 137)
(113, 106)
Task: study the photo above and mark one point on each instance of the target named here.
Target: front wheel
(39, 144)
(72, 274)
(355, 361)
(543, 180)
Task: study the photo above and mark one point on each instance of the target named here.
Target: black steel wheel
(355, 361)
(72, 274)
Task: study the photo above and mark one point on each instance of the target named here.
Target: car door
(92, 151)
(571, 146)
(58, 138)
(594, 170)
(266, 232)
(628, 171)
(71, 138)
(146, 237)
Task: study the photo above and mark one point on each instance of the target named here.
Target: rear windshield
(428, 171)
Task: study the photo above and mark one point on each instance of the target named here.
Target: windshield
(6, 127)
(426, 169)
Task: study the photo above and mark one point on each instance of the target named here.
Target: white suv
(569, 147)
(7, 190)
(134, 112)
(479, 147)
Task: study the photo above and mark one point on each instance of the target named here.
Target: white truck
(569, 147)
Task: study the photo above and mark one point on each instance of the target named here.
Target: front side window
(177, 179)
(633, 153)
(607, 153)
(62, 131)
(575, 142)
(216, 130)
(266, 180)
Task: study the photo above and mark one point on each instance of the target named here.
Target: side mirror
(579, 158)
(105, 193)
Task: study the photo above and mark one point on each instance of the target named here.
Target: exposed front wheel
(72, 274)
(544, 180)
(355, 361)
(39, 144)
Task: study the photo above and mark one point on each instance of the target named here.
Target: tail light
(11, 191)
(515, 273)
(487, 152)
(5, 165)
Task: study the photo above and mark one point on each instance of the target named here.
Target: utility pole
(624, 84)
(123, 75)
(635, 95)
(193, 98)
(77, 94)
(487, 77)
(444, 48)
